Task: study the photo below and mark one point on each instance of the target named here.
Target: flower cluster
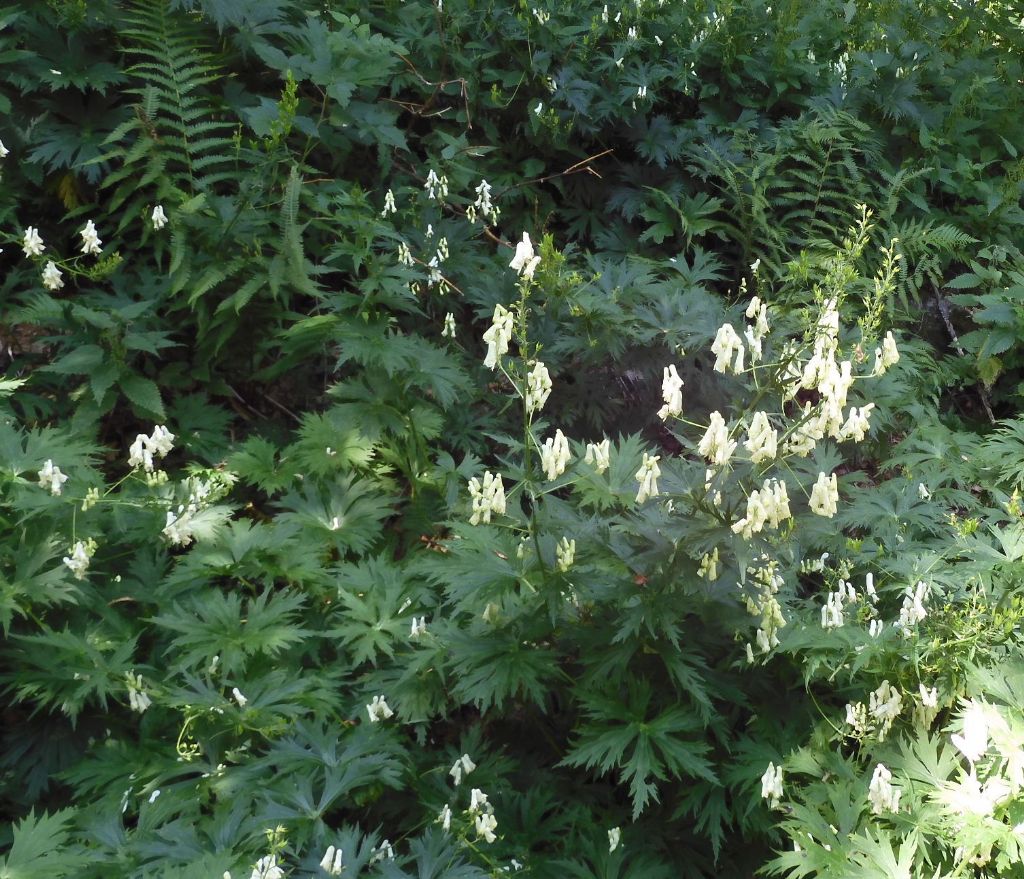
(488, 497)
(379, 710)
(881, 794)
(50, 477)
(483, 815)
(437, 187)
(90, 239)
(81, 554)
(538, 388)
(498, 336)
(463, 766)
(554, 455)
(331, 862)
(671, 393)
(716, 445)
(647, 476)
(525, 261)
(825, 496)
(565, 554)
(598, 455)
(765, 604)
(137, 698)
(768, 506)
(771, 785)
(142, 452)
(875, 718)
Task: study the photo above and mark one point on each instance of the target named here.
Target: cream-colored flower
(498, 336)
(716, 445)
(599, 455)
(158, 217)
(887, 355)
(90, 239)
(825, 496)
(538, 388)
(379, 710)
(488, 497)
(647, 476)
(525, 262)
(771, 785)
(50, 477)
(554, 455)
(671, 393)
(52, 278)
(762, 439)
(32, 243)
(727, 344)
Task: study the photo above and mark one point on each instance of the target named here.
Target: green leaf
(143, 393)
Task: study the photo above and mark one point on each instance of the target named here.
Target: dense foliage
(349, 530)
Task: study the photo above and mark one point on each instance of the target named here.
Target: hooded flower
(525, 262)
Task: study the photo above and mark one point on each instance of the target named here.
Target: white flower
(771, 785)
(598, 454)
(444, 818)
(762, 439)
(141, 452)
(267, 868)
(614, 839)
(78, 561)
(727, 343)
(179, 527)
(50, 477)
(857, 424)
(483, 203)
(538, 388)
(755, 265)
(419, 628)
(52, 278)
(485, 826)
(4, 152)
(671, 393)
(405, 255)
(884, 706)
(525, 262)
(913, 610)
(239, 698)
(832, 611)
(437, 187)
(716, 445)
(137, 698)
(384, 850)
(378, 710)
(90, 239)
(158, 217)
(927, 706)
(32, 244)
(647, 476)
(477, 800)
(331, 863)
(973, 743)
(881, 794)
(464, 765)
(887, 355)
(565, 554)
(498, 336)
(554, 455)
(767, 506)
(825, 496)
(488, 497)
(389, 203)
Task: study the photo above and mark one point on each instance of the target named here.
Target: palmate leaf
(621, 735)
(217, 624)
(348, 514)
(36, 850)
(492, 667)
(372, 595)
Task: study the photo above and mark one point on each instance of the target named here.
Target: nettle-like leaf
(644, 744)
